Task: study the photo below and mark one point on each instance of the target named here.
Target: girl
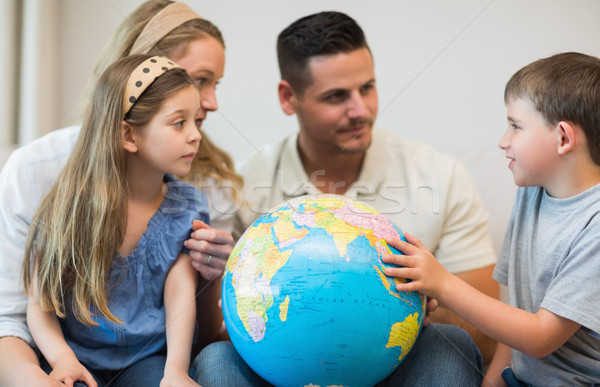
(171, 29)
(104, 258)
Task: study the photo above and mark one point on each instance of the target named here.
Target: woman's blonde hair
(76, 232)
(211, 162)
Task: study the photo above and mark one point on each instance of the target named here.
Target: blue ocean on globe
(305, 300)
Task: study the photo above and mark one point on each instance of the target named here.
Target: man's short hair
(324, 33)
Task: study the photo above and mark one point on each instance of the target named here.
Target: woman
(156, 27)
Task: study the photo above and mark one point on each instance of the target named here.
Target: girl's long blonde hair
(76, 232)
(211, 162)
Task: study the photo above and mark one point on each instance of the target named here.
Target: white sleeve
(16, 210)
(26, 177)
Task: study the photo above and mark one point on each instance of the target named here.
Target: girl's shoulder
(178, 191)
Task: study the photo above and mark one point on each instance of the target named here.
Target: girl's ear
(127, 138)
(566, 137)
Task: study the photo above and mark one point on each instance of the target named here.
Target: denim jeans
(444, 355)
(511, 380)
(147, 372)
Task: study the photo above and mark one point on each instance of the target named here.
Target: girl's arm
(180, 310)
(534, 334)
(48, 336)
(501, 360)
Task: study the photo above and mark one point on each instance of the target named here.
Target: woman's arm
(180, 310)
(534, 334)
(48, 336)
(217, 244)
(19, 365)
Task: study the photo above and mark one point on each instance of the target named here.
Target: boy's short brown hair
(563, 87)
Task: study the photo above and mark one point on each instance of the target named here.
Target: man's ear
(566, 137)
(287, 97)
(127, 138)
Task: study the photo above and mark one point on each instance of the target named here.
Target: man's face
(336, 112)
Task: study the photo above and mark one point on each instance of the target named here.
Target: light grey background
(441, 65)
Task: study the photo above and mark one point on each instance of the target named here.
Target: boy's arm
(501, 360)
(180, 311)
(482, 280)
(48, 336)
(534, 334)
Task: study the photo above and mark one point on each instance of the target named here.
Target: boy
(551, 253)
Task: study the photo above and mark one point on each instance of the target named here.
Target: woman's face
(204, 61)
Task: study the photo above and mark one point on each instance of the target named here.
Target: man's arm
(480, 279)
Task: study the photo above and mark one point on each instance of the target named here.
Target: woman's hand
(209, 249)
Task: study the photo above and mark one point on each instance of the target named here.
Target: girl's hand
(177, 379)
(69, 372)
(419, 265)
(209, 249)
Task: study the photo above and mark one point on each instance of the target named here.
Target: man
(328, 81)
(330, 86)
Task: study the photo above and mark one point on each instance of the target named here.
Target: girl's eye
(200, 81)
(179, 124)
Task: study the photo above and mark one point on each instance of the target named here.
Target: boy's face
(530, 144)
(336, 112)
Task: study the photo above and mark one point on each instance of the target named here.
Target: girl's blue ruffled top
(135, 286)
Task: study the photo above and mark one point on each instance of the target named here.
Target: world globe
(306, 301)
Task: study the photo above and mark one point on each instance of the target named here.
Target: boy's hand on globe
(209, 249)
(427, 275)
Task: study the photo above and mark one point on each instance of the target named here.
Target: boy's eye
(198, 122)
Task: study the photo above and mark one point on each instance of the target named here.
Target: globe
(306, 301)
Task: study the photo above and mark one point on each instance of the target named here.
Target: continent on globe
(306, 301)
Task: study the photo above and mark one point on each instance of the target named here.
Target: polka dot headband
(143, 76)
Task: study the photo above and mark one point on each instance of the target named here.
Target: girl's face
(204, 61)
(169, 142)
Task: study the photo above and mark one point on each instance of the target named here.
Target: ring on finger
(209, 258)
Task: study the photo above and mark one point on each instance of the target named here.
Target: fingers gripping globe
(306, 301)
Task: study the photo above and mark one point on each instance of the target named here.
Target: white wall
(441, 65)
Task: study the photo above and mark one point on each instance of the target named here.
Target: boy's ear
(566, 137)
(127, 138)
(287, 97)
